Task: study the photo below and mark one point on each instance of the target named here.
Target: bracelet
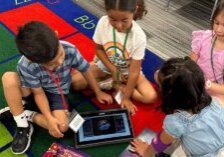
(208, 84)
(158, 145)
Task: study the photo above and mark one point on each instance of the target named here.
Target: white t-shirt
(135, 46)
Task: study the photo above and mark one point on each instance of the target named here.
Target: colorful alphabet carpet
(76, 25)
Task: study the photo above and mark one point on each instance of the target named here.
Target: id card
(146, 136)
(75, 121)
(118, 97)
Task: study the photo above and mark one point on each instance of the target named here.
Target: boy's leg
(11, 86)
(78, 80)
(144, 91)
(63, 117)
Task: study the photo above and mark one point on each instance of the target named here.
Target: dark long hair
(218, 10)
(134, 6)
(182, 86)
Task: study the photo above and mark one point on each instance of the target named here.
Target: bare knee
(62, 117)
(79, 82)
(11, 82)
(63, 128)
(10, 79)
(79, 86)
(150, 97)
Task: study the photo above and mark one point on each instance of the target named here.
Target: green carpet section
(9, 66)
(8, 153)
(5, 137)
(7, 49)
(7, 44)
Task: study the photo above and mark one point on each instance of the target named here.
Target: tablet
(104, 127)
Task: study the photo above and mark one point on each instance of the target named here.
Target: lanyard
(125, 42)
(115, 48)
(211, 52)
(57, 82)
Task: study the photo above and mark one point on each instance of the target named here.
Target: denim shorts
(55, 102)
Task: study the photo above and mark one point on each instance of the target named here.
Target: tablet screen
(104, 126)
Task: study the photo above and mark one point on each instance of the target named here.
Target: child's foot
(106, 84)
(22, 139)
(29, 115)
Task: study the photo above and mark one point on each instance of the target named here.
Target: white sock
(21, 120)
(29, 115)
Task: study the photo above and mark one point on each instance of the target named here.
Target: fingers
(55, 130)
(105, 98)
(56, 133)
(109, 100)
(131, 108)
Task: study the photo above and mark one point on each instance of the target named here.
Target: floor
(168, 29)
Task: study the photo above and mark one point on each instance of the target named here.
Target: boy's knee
(78, 82)
(63, 118)
(79, 86)
(63, 128)
(10, 78)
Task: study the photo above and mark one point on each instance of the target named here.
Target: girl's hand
(141, 148)
(53, 127)
(103, 97)
(126, 103)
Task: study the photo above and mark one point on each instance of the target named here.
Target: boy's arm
(101, 96)
(43, 104)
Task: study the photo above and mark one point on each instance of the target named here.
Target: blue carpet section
(10, 58)
(150, 64)
(74, 15)
(6, 5)
(5, 147)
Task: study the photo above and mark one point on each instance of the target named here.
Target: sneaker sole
(29, 140)
(4, 110)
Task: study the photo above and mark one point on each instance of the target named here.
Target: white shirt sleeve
(138, 42)
(139, 51)
(98, 31)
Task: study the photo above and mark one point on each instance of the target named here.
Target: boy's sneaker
(5, 114)
(22, 139)
(106, 84)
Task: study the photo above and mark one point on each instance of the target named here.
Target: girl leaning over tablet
(193, 116)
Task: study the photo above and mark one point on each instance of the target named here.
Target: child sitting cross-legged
(44, 76)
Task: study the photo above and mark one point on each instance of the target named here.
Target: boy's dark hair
(182, 86)
(134, 6)
(37, 42)
(218, 10)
